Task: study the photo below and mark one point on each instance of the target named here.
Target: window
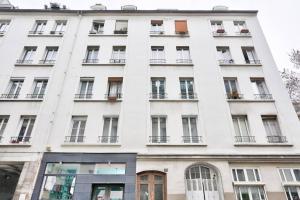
(273, 130)
(159, 130)
(85, 88)
(181, 27)
(3, 123)
(190, 133)
(59, 27)
(114, 90)
(250, 55)
(241, 128)
(231, 88)
(4, 25)
(27, 56)
(77, 129)
(241, 28)
(260, 89)
(39, 87)
(50, 55)
(38, 27)
(14, 89)
(251, 191)
(158, 88)
(217, 27)
(108, 192)
(183, 55)
(157, 27)
(151, 185)
(118, 54)
(97, 27)
(91, 54)
(187, 88)
(110, 130)
(157, 54)
(26, 126)
(290, 179)
(224, 55)
(121, 27)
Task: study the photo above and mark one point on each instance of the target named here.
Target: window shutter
(181, 26)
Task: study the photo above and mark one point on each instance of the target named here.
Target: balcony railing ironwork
(113, 96)
(263, 96)
(74, 139)
(83, 96)
(87, 61)
(47, 62)
(36, 32)
(234, 95)
(192, 139)
(184, 61)
(20, 139)
(159, 139)
(277, 139)
(9, 96)
(158, 95)
(121, 61)
(245, 139)
(23, 61)
(35, 96)
(188, 96)
(157, 61)
(108, 139)
(226, 61)
(256, 62)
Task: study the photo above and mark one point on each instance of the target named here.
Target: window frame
(187, 82)
(26, 136)
(111, 139)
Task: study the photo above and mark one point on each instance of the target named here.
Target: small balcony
(192, 139)
(124, 31)
(253, 62)
(226, 61)
(159, 139)
(9, 96)
(245, 139)
(20, 140)
(184, 61)
(90, 61)
(47, 62)
(263, 96)
(83, 96)
(74, 139)
(95, 32)
(56, 32)
(113, 97)
(108, 139)
(36, 32)
(157, 32)
(35, 96)
(234, 95)
(121, 61)
(158, 95)
(158, 61)
(277, 139)
(188, 96)
(23, 61)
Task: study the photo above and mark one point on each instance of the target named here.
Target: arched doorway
(151, 185)
(202, 183)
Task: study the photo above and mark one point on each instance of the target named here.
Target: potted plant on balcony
(112, 97)
(234, 95)
(14, 141)
(220, 30)
(244, 30)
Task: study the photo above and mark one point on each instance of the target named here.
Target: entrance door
(151, 186)
(201, 183)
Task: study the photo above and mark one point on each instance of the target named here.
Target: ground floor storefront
(128, 176)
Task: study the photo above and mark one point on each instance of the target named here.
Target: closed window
(190, 132)
(157, 27)
(3, 123)
(110, 130)
(187, 88)
(157, 54)
(241, 27)
(158, 88)
(97, 27)
(272, 129)
(38, 27)
(183, 55)
(118, 54)
(121, 27)
(50, 55)
(85, 88)
(217, 27)
(13, 89)
(27, 56)
(77, 129)
(59, 27)
(159, 130)
(25, 130)
(260, 89)
(114, 90)
(91, 54)
(4, 25)
(241, 129)
(290, 174)
(224, 55)
(250, 55)
(39, 88)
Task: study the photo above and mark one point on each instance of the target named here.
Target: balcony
(35, 96)
(192, 139)
(220, 32)
(74, 139)
(94, 32)
(108, 139)
(83, 96)
(20, 140)
(157, 61)
(113, 97)
(158, 95)
(188, 96)
(1, 138)
(9, 96)
(121, 61)
(244, 32)
(47, 62)
(157, 32)
(159, 139)
(22, 61)
(56, 32)
(245, 139)
(184, 61)
(277, 139)
(90, 61)
(234, 95)
(226, 61)
(124, 31)
(263, 96)
(36, 32)
(253, 62)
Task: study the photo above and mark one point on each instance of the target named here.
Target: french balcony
(56, 32)
(47, 62)
(9, 96)
(74, 139)
(192, 139)
(158, 61)
(94, 32)
(20, 140)
(108, 139)
(1, 138)
(234, 95)
(24, 61)
(188, 96)
(157, 32)
(83, 96)
(184, 61)
(226, 61)
(263, 96)
(122, 31)
(244, 32)
(121, 61)
(113, 97)
(159, 139)
(36, 32)
(277, 139)
(253, 62)
(245, 139)
(35, 96)
(158, 95)
(90, 61)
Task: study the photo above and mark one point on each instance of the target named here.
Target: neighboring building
(143, 104)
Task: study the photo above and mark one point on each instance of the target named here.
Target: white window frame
(230, 86)
(60, 26)
(35, 84)
(4, 24)
(273, 117)
(224, 57)
(28, 53)
(118, 85)
(50, 54)
(92, 53)
(189, 125)
(186, 84)
(125, 28)
(157, 28)
(19, 83)
(30, 118)
(158, 53)
(118, 52)
(287, 185)
(159, 134)
(251, 54)
(3, 123)
(239, 25)
(183, 53)
(80, 120)
(85, 94)
(239, 118)
(100, 29)
(157, 82)
(39, 26)
(109, 135)
(216, 25)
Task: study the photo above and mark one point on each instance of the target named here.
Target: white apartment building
(143, 104)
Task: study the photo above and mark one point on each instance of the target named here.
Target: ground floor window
(250, 193)
(292, 192)
(108, 192)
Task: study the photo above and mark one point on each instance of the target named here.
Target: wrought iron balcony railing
(87, 60)
(36, 32)
(188, 96)
(83, 96)
(20, 140)
(74, 139)
(47, 62)
(9, 96)
(108, 139)
(157, 32)
(121, 61)
(226, 61)
(277, 139)
(158, 95)
(56, 32)
(263, 96)
(192, 139)
(234, 95)
(245, 139)
(23, 61)
(159, 139)
(157, 61)
(35, 96)
(184, 61)
(256, 62)
(113, 96)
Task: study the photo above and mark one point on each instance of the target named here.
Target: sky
(279, 18)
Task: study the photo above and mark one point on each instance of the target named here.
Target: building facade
(143, 104)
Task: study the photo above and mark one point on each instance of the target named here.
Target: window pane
(163, 131)
(106, 127)
(297, 174)
(144, 194)
(250, 174)
(158, 192)
(116, 193)
(154, 126)
(241, 175)
(185, 125)
(193, 122)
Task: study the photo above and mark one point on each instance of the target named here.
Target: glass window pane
(154, 126)
(250, 174)
(297, 174)
(185, 125)
(288, 175)
(163, 130)
(158, 192)
(241, 175)
(110, 169)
